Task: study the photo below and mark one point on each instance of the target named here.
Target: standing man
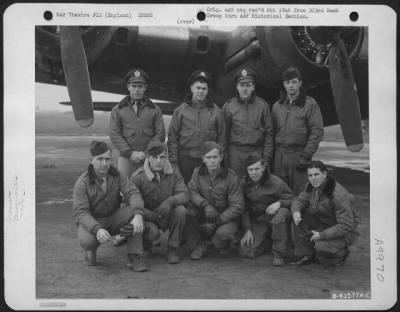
(217, 203)
(97, 211)
(325, 222)
(267, 215)
(165, 195)
(195, 121)
(135, 122)
(248, 123)
(298, 129)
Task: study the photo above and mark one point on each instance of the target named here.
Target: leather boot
(172, 255)
(198, 252)
(136, 263)
(90, 257)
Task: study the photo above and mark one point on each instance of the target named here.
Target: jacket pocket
(297, 136)
(148, 132)
(256, 135)
(299, 118)
(185, 137)
(128, 132)
(236, 130)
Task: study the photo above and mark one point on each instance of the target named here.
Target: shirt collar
(321, 188)
(249, 100)
(150, 174)
(287, 101)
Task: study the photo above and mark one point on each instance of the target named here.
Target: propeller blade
(345, 95)
(76, 74)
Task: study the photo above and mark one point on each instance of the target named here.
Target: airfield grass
(62, 155)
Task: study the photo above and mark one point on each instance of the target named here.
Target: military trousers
(126, 167)
(285, 167)
(269, 227)
(326, 251)
(175, 222)
(220, 237)
(112, 224)
(237, 155)
(187, 164)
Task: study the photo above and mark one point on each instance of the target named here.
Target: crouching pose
(97, 206)
(325, 222)
(216, 203)
(267, 199)
(165, 194)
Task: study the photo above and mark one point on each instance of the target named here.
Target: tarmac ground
(61, 272)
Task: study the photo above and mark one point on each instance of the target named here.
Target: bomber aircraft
(334, 65)
(333, 62)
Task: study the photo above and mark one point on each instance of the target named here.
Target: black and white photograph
(230, 158)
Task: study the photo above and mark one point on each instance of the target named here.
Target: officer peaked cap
(136, 75)
(245, 74)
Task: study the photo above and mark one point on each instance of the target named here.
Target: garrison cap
(252, 159)
(199, 75)
(208, 146)
(98, 148)
(136, 75)
(291, 73)
(245, 75)
(155, 148)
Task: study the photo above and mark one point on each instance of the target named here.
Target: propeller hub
(314, 42)
(320, 35)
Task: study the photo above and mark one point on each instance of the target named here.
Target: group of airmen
(240, 178)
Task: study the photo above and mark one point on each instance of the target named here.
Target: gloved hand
(151, 216)
(164, 209)
(208, 228)
(174, 163)
(302, 163)
(211, 213)
(127, 230)
(137, 157)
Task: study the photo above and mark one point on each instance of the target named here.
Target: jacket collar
(328, 189)
(149, 173)
(127, 101)
(300, 101)
(223, 172)
(93, 177)
(263, 180)
(188, 100)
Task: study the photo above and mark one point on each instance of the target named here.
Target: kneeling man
(267, 215)
(97, 207)
(325, 222)
(165, 194)
(216, 203)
